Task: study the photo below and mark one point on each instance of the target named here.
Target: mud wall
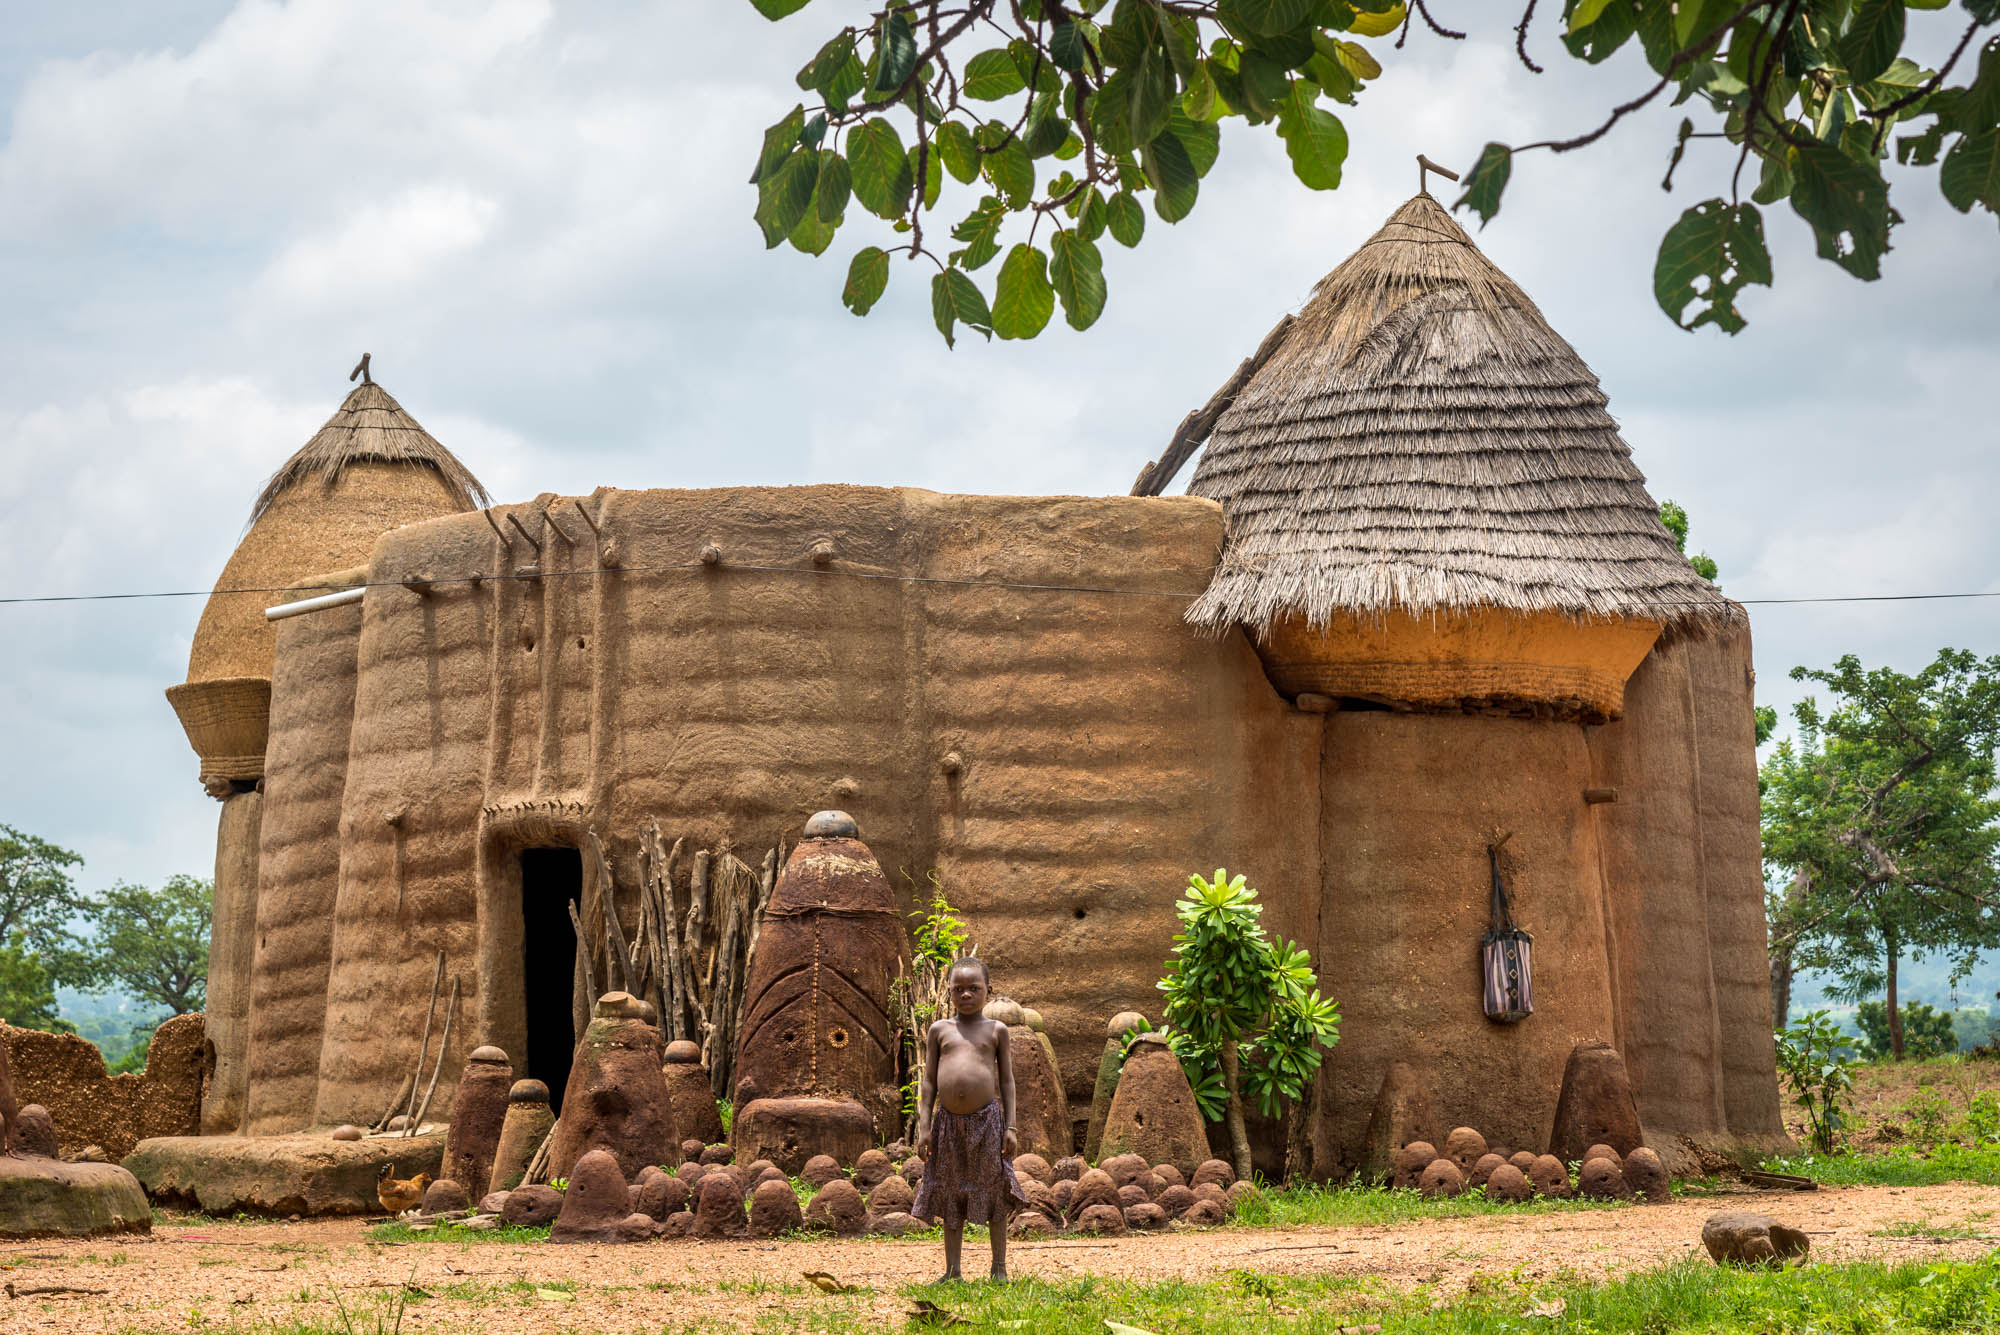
(1408, 805)
(312, 709)
(90, 1106)
(232, 948)
(1061, 760)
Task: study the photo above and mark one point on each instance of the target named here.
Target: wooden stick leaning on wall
(738, 886)
(660, 882)
(430, 1012)
(618, 954)
(444, 1045)
(584, 991)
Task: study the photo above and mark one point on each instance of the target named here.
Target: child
(968, 1145)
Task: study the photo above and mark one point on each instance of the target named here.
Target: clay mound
(1603, 1180)
(596, 1204)
(1464, 1147)
(1208, 1191)
(895, 1224)
(692, 1102)
(1151, 1183)
(913, 1171)
(1175, 1200)
(820, 1170)
(718, 1208)
(1595, 1105)
(774, 1209)
(1125, 1168)
(660, 1194)
(1205, 1214)
(1549, 1176)
(1169, 1176)
(1062, 1194)
(891, 1195)
(1508, 1183)
(692, 1147)
(678, 1225)
(1602, 1152)
(871, 1168)
(1041, 1109)
(1094, 1188)
(717, 1154)
(346, 1133)
(1031, 1224)
(493, 1202)
(1101, 1219)
(1646, 1174)
(616, 1097)
(1213, 1170)
(1442, 1178)
(531, 1207)
(838, 1207)
(1483, 1171)
(1069, 1168)
(1410, 1163)
(35, 1132)
(692, 1173)
(1523, 1160)
(1145, 1216)
(1238, 1193)
(1131, 1195)
(1153, 1111)
(1034, 1166)
(445, 1196)
(1402, 1116)
(478, 1112)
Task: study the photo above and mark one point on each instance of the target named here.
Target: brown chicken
(398, 1194)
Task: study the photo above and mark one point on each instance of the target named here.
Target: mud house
(1419, 598)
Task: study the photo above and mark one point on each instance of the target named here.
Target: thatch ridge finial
(1425, 165)
(361, 369)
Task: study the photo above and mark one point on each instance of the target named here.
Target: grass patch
(1903, 1167)
(398, 1231)
(1349, 1205)
(1923, 1228)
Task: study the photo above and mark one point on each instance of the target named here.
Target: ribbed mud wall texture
(1410, 802)
(312, 710)
(232, 948)
(89, 1106)
(1685, 898)
(1061, 760)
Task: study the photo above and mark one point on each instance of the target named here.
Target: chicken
(400, 1194)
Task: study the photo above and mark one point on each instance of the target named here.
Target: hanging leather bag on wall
(1505, 956)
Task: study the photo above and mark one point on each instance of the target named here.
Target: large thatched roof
(1422, 441)
(370, 427)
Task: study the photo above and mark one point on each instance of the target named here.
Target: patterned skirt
(968, 1174)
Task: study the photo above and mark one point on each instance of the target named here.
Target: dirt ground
(264, 1277)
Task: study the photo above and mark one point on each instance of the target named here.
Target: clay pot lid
(620, 1006)
(1123, 1023)
(528, 1091)
(1006, 1010)
(646, 1011)
(1155, 1037)
(832, 825)
(683, 1052)
(486, 1052)
(1032, 1018)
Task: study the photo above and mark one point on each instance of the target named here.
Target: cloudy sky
(535, 217)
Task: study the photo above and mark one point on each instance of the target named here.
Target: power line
(728, 566)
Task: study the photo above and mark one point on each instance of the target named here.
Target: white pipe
(340, 599)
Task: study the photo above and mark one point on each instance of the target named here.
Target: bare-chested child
(965, 1121)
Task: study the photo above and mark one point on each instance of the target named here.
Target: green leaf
(820, 72)
(1201, 139)
(1175, 182)
(1977, 106)
(784, 195)
(1586, 13)
(1774, 181)
(931, 181)
(1971, 172)
(1486, 182)
(1269, 18)
(1607, 31)
(1068, 46)
(777, 9)
(1011, 171)
(1315, 140)
(1847, 203)
(867, 276)
(1023, 301)
(1708, 257)
(830, 194)
(779, 141)
(1377, 25)
(956, 300)
(1265, 84)
(898, 51)
(879, 168)
(980, 230)
(814, 234)
(990, 76)
(959, 153)
(1126, 220)
(1150, 96)
(1076, 270)
(1874, 36)
(1090, 215)
(1357, 60)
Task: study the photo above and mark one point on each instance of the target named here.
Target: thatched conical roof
(1424, 442)
(370, 427)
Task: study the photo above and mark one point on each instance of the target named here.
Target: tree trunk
(1298, 1133)
(1781, 987)
(1895, 1012)
(1239, 1139)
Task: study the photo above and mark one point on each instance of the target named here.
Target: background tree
(1927, 1032)
(38, 948)
(1244, 1003)
(1064, 115)
(27, 997)
(154, 943)
(1879, 826)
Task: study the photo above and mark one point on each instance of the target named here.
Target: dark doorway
(551, 880)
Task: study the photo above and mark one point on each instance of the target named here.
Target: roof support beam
(1196, 426)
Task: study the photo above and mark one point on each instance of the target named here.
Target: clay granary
(1418, 601)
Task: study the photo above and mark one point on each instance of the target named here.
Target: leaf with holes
(1708, 257)
(1011, 171)
(1847, 203)
(1023, 301)
(956, 300)
(879, 168)
(1076, 269)
(867, 276)
(1486, 182)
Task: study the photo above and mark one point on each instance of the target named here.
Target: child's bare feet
(948, 1277)
(999, 1275)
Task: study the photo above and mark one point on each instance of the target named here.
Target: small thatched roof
(370, 427)
(1422, 441)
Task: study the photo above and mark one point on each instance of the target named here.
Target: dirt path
(216, 1276)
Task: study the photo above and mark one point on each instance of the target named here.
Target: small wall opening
(551, 880)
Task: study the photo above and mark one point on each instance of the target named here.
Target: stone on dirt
(719, 1153)
(1217, 1171)
(1125, 1168)
(691, 1096)
(1094, 1188)
(1030, 1224)
(1035, 1167)
(1523, 1160)
(1601, 1151)
(1739, 1237)
(1410, 1163)
(692, 1147)
(1483, 1170)
(1169, 1176)
(895, 1224)
(1236, 1193)
(890, 1196)
(913, 1171)
(1595, 1105)
(678, 1225)
(1145, 1215)
(1101, 1219)
(718, 1208)
(303, 1174)
(820, 1169)
(1132, 1194)
(35, 1132)
(1068, 1168)
(774, 1209)
(616, 1098)
(1063, 1194)
(1205, 1213)
(1175, 1200)
(871, 1168)
(493, 1202)
(445, 1196)
(346, 1133)
(531, 1206)
(658, 1193)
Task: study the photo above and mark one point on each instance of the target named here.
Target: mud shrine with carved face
(1418, 604)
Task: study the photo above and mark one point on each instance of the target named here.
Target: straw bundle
(370, 427)
(1423, 441)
